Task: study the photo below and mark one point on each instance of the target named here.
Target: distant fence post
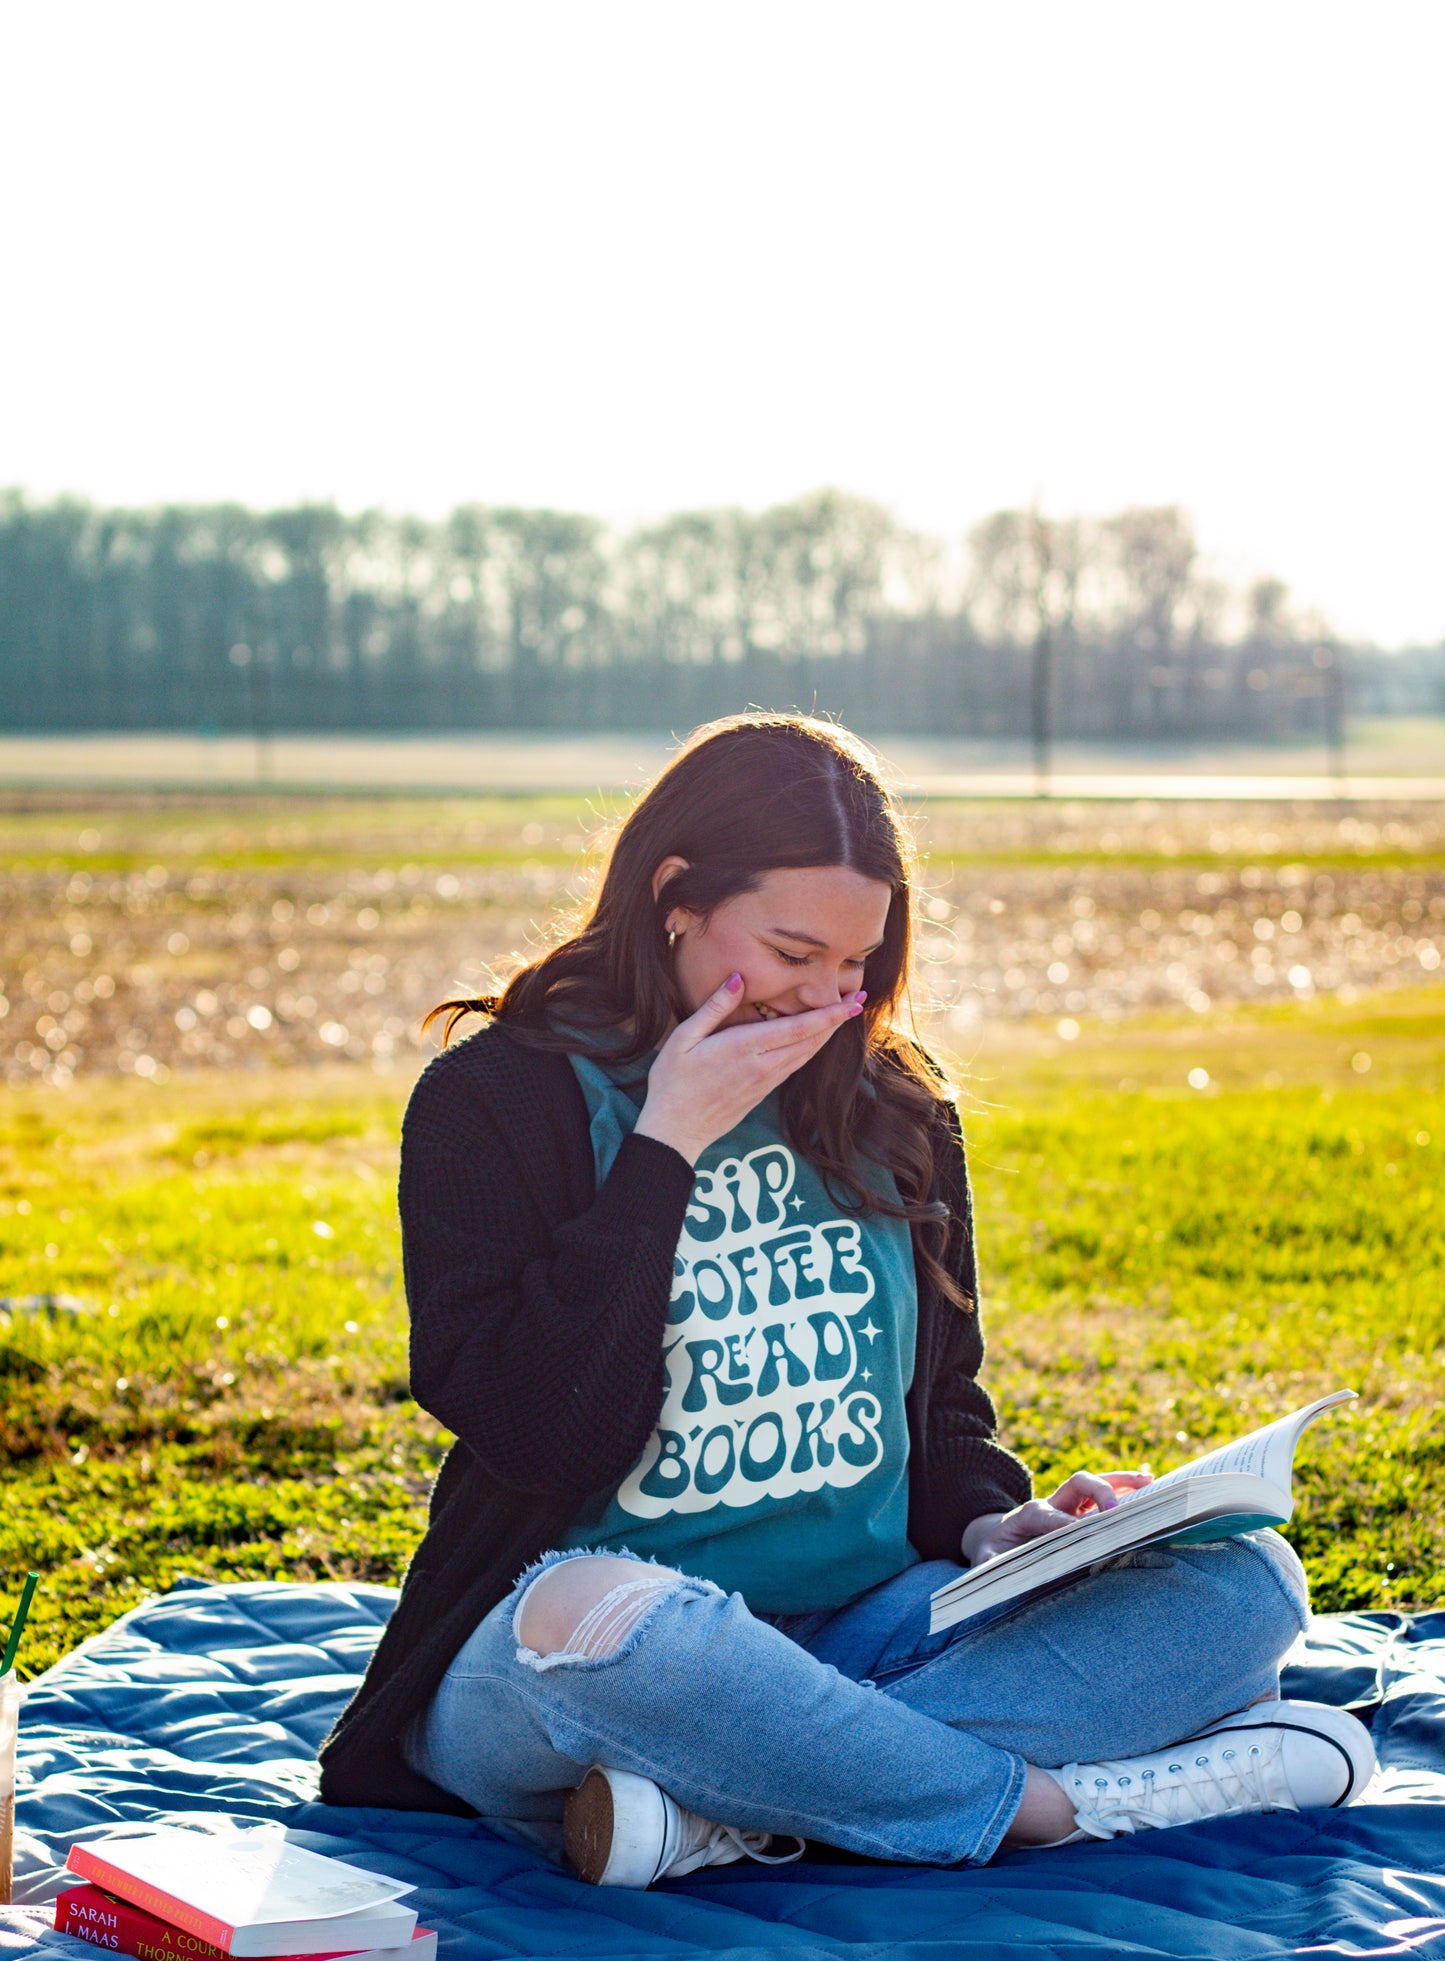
(1041, 707)
(1329, 660)
(258, 695)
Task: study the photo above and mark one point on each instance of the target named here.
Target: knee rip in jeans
(586, 1606)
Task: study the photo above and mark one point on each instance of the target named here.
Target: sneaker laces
(703, 1841)
(1217, 1783)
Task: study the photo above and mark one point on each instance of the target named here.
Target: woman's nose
(821, 992)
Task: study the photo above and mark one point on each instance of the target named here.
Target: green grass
(314, 835)
(319, 835)
(1167, 1267)
(1164, 1266)
(464, 856)
(234, 1400)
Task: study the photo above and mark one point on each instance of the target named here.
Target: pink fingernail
(733, 983)
(856, 1009)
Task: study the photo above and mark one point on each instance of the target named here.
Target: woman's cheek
(761, 984)
(755, 989)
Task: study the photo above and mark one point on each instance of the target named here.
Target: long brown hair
(749, 795)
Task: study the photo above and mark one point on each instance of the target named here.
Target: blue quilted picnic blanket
(209, 1703)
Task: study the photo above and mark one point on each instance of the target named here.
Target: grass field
(1165, 1265)
(1189, 1220)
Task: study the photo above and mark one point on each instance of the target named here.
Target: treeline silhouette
(218, 617)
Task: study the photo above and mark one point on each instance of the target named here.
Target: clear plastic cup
(12, 1694)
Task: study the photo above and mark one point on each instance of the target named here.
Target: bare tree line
(309, 618)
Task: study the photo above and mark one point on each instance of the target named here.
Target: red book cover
(89, 1914)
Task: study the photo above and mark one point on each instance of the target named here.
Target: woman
(689, 1255)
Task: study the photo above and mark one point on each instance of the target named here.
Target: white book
(249, 1893)
(1237, 1488)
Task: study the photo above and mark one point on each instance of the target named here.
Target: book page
(1266, 1453)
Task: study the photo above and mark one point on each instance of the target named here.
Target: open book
(1237, 1488)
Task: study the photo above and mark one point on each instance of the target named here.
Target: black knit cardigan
(537, 1306)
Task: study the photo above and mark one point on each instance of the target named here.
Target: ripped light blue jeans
(856, 1726)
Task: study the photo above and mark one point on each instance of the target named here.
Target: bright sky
(651, 254)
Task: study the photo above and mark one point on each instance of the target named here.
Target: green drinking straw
(32, 1580)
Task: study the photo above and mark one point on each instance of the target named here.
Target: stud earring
(671, 939)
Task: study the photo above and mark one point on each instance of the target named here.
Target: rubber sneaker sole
(587, 1827)
(604, 1851)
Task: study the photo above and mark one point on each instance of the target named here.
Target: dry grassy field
(151, 936)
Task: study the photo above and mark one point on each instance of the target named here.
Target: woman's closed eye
(804, 959)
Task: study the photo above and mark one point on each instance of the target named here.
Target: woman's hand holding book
(1085, 1491)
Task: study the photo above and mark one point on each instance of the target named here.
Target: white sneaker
(620, 1829)
(1275, 1756)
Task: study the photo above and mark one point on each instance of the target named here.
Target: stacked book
(163, 1893)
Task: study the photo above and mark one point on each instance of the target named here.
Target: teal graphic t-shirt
(779, 1465)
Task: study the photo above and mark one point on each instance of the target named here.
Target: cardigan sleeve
(961, 1470)
(538, 1342)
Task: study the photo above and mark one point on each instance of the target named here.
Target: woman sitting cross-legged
(689, 1254)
